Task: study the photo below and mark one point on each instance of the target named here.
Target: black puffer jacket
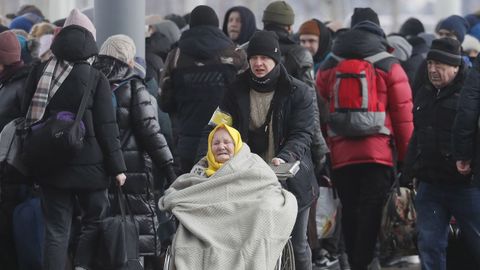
(465, 128)
(292, 120)
(140, 134)
(101, 155)
(430, 151)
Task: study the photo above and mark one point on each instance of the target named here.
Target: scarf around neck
(52, 78)
(267, 83)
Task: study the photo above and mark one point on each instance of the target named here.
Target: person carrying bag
(57, 138)
(119, 248)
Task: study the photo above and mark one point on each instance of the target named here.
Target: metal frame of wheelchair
(285, 262)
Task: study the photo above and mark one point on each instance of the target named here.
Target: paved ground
(408, 263)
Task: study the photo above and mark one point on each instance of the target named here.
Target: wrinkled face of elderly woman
(222, 146)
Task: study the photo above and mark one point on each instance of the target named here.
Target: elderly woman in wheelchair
(232, 211)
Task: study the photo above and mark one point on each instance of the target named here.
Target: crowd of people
(217, 105)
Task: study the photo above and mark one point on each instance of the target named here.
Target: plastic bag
(327, 209)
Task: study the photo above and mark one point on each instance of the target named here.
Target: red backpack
(354, 106)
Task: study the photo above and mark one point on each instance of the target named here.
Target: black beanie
(364, 14)
(411, 27)
(203, 15)
(265, 43)
(446, 50)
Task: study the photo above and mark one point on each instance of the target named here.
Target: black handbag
(57, 139)
(118, 247)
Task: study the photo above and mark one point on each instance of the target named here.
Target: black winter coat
(194, 81)
(292, 120)
(412, 65)
(11, 95)
(299, 64)
(430, 152)
(140, 134)
(101, 156)
(466, 126)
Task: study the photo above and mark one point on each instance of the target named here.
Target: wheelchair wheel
(287, 259)
(168, 263)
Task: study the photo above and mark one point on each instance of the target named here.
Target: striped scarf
(55, 73)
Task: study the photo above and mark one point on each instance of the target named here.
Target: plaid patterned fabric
(55, 73)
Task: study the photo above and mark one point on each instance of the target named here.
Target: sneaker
(327, 263)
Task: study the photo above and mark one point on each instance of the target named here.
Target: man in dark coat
(87, 175)
(274, 114)
(279, 17)
(13, 74)
(445, 186)
(194, 80)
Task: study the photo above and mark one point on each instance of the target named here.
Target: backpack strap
(372, 58)
(378, 57)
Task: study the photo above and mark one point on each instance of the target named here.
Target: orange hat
(309, 27)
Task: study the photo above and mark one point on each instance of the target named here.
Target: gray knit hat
(120, 47)
(279, 12)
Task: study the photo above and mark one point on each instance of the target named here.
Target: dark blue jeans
(58, 206)
(435, 205)
(301, 248)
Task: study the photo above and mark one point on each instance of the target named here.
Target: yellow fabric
(213, 165)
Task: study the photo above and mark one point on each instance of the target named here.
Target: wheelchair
(286, 261)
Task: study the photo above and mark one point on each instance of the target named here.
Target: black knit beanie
(411, 27)
(446, 50)
(364, 14)
(265, 43)
(203, 15)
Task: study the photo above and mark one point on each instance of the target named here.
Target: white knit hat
(471, 43)
(76, 17)
(120, 47)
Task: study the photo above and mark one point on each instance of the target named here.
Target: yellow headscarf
(213, 166)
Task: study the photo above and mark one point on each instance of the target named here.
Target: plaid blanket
(240, 218)
(54, 75)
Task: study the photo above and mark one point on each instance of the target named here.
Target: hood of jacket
(74, 43)
(158, 44)
(358, 44)
(114, 69)
(169, 30)
(324, 43)
(249, 25)
(204, 42)
(283, 36)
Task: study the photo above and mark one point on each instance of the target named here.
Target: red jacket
(393, 90)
